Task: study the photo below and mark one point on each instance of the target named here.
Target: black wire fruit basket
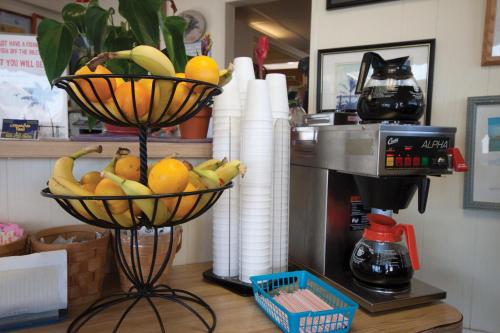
(169, 101)
(167, 209)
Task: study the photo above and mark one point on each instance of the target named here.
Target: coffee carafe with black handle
(391, 93)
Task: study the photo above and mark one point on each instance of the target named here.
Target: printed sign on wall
(26, 92)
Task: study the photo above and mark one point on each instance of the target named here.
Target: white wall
(459, 248)
(44, 8)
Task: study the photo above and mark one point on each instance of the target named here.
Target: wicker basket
(86, 260)
(15, 248)
(146, 255)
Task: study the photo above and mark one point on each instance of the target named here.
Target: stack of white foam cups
(243, 72)
(256, 186)
(281, 170)
(226, 212)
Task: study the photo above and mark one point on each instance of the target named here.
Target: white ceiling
(286, 22)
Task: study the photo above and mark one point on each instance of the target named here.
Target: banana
(63, 186)
(195, 180)
(225, 75)
(209, 178)
(230, 170)
(64, 165)
(131, 187)
(152, 60)
(222, 175)
(212, 164)
(110, 167)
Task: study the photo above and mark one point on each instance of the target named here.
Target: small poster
(19, 129)
(26, 92)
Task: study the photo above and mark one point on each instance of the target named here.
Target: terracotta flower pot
(197, 127)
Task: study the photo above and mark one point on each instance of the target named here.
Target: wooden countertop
(55, 149)
(241, 314)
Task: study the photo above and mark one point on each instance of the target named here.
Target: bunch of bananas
(119, 179)
(169, 100)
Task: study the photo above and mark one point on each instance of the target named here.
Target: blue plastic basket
(337, 320)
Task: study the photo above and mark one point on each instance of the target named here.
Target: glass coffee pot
(391, 93)
(381, 258)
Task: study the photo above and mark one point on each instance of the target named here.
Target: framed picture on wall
(491, 36)
(14, 23)
(35, 21)
(482, 182)
(338, 71)
(335, 4)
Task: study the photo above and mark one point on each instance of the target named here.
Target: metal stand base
(143, 285)
(163, 292)
(230, 283)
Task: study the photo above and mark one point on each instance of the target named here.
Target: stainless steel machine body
(327, 216)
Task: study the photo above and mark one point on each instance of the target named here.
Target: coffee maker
(340, 171)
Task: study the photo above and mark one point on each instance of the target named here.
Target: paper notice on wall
(26, 92)
(193, 49)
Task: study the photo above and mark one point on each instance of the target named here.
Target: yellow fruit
(91, 177)
(126, 103)
(157, 110)
(89, 187)
(128, 167)
(180, 96)
(186, 203)
(107, 188)
(202, 68)
(100, 85)
(180, 75)
(119, 81)
(168, 176)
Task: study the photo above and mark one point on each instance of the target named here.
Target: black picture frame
(337, 4)
(431, 43)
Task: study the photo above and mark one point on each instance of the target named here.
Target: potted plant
(88, 29)
(197, 127)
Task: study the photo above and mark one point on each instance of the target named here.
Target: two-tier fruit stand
(163, 112)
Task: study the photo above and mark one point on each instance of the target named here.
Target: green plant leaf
(119, 39)
(173, 28)
(91, 122)
(96, 21)
(55, 44)
(74, 14)
(143, 19)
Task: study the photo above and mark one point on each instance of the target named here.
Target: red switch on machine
(458, 161)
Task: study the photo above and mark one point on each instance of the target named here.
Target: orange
(202, 68)
(126, 103)
(186, 203)
(108, 188)
(180, 95)
(91, 177)
(100, 85)
(129, 167)
(168, 176)
(89, 187)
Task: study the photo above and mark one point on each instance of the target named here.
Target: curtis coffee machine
(348, 177)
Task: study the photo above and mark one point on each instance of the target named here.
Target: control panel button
(425, 161)
(399, 161)
(389, 161)
(442, 162)
(407, 162)
(416, 162)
